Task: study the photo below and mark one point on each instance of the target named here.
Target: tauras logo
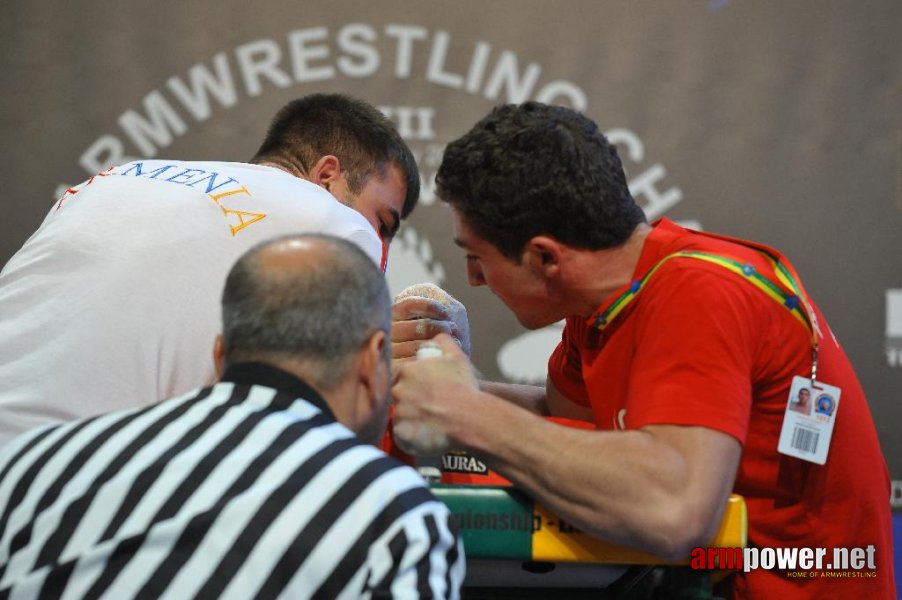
(460, 462)
(894, 327)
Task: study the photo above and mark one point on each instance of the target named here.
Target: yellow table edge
(555, 541)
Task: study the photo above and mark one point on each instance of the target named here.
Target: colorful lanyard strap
(796, 302)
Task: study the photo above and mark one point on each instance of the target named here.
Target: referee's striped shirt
(247, 489)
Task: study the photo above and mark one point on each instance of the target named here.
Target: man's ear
(543, 255)
(218, 355)
(326, 171)
(372, 396)
(373, 372)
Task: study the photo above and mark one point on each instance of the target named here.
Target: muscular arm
(661, 488)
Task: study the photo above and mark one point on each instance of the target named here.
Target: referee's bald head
(308, 299)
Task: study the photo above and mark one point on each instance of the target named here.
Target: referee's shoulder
(393, 475)
(390, 463)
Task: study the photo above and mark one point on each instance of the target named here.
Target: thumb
(449, 346)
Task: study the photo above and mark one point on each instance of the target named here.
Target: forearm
(661, 489)
(624, 487)
(529, 397)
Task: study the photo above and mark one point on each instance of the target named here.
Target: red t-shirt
(700, 345)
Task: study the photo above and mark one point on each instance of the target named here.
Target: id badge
(808, 420)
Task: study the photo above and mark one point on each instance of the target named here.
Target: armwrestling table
(517, 549)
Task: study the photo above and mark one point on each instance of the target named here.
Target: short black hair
(365, 141)
(535, 169)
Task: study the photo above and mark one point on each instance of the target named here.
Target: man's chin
(371, 438)
(373, 432)
(534, 323)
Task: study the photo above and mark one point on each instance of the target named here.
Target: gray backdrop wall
(768, 120)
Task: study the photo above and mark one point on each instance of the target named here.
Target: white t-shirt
(114, 301)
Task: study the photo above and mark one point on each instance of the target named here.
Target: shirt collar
(657, 245)
(255, 373)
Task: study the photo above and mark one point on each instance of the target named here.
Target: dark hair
(321, 312)
(365, 141)
(534, 169)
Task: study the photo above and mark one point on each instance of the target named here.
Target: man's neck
(291, 167)
(597, 274)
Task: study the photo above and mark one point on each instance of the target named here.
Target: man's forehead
(460, 232)
(464, 235)
(393, 190)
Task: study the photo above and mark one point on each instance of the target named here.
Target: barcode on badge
(804, 440)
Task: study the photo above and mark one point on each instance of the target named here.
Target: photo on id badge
(808, 420)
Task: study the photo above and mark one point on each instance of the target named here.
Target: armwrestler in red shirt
(683, 347)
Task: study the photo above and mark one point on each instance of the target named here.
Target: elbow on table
(680, 529)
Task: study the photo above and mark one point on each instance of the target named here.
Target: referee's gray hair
(321, 314)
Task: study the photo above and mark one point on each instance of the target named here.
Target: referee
(264, 485)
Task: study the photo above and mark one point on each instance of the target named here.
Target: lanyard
(797, 302)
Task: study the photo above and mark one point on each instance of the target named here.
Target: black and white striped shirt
(247, 489)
